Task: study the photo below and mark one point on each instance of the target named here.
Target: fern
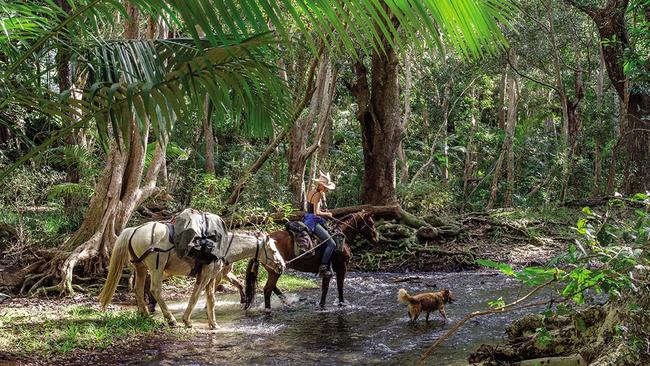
(69, 190)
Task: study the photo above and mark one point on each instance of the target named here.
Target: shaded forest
(510, 136)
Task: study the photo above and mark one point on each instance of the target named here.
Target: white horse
(163, 262)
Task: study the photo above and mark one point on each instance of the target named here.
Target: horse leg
(140, 273)
(235, 282)
(269, 287)
(156, 286)
(148, 296)
(324, 288)
(210, 300)
(340, 279)
(199, 285)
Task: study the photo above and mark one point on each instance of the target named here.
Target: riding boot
(324, 271)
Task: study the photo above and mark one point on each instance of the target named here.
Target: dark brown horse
(350, 225)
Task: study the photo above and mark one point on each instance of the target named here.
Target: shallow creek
(373, 329)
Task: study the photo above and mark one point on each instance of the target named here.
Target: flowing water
(372, 330)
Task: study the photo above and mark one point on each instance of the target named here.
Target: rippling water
(372, 330)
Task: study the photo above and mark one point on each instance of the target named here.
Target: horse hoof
(213, 326)
(267, 310)
(343, 304)
(172, 323)
(188, 324)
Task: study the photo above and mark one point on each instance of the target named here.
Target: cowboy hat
(325, 180)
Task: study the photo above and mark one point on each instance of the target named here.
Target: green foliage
(543, 338)
(209, 192)
(75, 192)
(426, 196)
(498, 303)
(602, 259)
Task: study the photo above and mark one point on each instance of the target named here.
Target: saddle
(304, 240)
(302, 237)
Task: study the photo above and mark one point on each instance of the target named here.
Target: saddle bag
(201, 249)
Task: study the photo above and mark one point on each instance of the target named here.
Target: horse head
(368, 229)
(362, 222)
(271, 255)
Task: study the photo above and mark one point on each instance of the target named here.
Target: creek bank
(454, 243)
(614, 333)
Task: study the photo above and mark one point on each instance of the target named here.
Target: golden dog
(428, 302)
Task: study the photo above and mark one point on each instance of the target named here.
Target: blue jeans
(330, 245)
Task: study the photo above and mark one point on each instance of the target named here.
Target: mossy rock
(395, 231)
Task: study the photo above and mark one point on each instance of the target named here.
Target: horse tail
(251, 281)
(118, 260)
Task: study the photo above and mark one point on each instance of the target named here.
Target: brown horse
(350, 225)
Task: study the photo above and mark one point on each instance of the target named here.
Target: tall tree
(378, 112)
(312, 124)
(613, 28)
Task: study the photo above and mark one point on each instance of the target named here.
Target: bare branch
(530, 78)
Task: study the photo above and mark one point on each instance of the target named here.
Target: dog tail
(405, 298)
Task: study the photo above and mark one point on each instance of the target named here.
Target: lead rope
(311, 250)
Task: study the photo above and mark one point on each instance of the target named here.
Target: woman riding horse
(351, 225)
(316, 206)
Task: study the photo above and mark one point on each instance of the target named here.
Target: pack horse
(196, 244)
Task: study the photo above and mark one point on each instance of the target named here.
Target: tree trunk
(208, 135)
(401, 154)
(510, 134)
(574, 131)
(445, 131)
(506, 146)
(379, 118)
(612, 28)
(470, 155)
(119, 191)
(501, 115)
(597, 168)
(314, 121)
(378, 112)
(65, 83)
(611, 174)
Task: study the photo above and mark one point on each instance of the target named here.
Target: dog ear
(445, 293)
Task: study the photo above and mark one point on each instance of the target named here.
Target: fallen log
(385, 212)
